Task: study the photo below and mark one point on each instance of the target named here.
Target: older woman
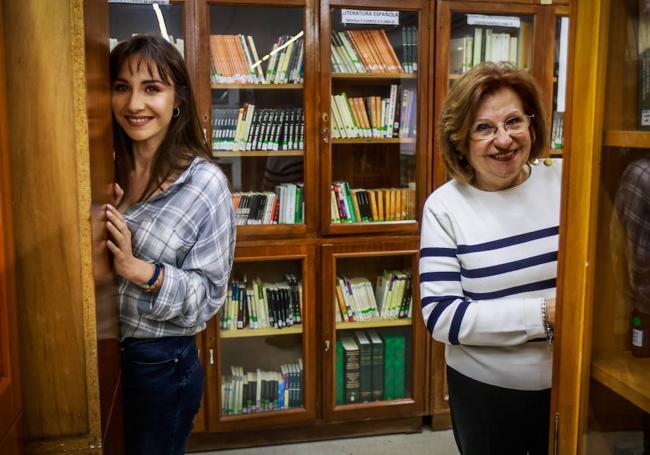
(488, 261)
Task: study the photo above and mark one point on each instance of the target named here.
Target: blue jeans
(163, 384)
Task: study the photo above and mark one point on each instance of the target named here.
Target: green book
(365, 363)
(377, 365)
(389, 368)
(400, 370)
(340, 388)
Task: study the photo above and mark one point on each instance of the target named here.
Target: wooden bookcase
(316, 247)
(535, 31)
(600, 390)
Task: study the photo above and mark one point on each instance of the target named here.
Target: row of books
(260, 391)
(374, 116)
(247, 128)
(486, 45)
(357, 301)
(284, 206)
(370, 367)
(365, 206)
(557, 130)
(367, 51)
(260, 305)
(235, 60)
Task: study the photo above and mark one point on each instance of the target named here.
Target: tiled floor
(428, 442)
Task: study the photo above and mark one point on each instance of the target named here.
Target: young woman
(172, 236)
(488, 261)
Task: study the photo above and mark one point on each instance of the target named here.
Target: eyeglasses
(487, 131)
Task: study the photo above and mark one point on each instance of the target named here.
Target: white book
(478, 46)
(257, 62)
(391, 114)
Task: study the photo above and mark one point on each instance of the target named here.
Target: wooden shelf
(374, 324)
(246, 333)
(627, 138)
(626, 375)
(257, 153)
(257, 86)
(375, 140)
(374, 75)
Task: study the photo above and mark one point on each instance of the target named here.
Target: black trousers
(494, 420)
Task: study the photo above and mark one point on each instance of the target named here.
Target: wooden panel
(10, 394)
(101, 178)
(579, 205)
(49, 150)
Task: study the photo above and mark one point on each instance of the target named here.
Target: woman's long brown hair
(184, 139)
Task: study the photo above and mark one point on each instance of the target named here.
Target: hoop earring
(176, 112)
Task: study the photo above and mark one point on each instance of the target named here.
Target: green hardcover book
(389, 368)
(400, 370)
(365, 365)
(351, 369)
(377, 365)
(340, 388)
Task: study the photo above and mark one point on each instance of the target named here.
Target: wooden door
(98, 105)
(10, 402)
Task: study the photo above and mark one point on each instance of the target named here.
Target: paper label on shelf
(494, 21)
(637, 338)
(364, 16)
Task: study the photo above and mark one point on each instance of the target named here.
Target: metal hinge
(555, 432)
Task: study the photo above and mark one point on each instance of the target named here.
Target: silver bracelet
(546, 323)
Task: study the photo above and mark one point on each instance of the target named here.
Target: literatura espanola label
(363, 16)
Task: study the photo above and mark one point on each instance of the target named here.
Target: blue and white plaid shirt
(190, 229)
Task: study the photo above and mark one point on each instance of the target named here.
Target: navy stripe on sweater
(508, 241)
(509, 266)
(443, 303)
(439, 276)
(438, 252)
(530, 287)
(454, 330)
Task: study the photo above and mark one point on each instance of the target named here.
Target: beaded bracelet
(546, 323)
(156, 272)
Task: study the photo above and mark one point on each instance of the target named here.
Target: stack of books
(364, 51)
(261, 391)
(247, 128)
(374, 116)
(357, 301)
(261, 305)
(284, 206)
(235, 60)
(370, 367)
(366, 206)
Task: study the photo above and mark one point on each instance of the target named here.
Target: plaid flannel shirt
(190, 229)
(633, 207)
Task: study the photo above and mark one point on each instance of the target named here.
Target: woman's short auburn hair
(462, 102)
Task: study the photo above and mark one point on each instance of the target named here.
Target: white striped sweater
(487, 261)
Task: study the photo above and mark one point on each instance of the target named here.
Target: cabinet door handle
(326, 136)
(211, 356)
(327, 345)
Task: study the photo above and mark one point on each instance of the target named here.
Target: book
(377, 365)
(365, 366)
(350, 369)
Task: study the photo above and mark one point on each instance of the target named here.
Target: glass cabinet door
(257, 98)
(128, 19)
(262, 355)
(373, 341)
(604, 331)
(373, 110)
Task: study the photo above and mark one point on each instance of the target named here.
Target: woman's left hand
(120, 245)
